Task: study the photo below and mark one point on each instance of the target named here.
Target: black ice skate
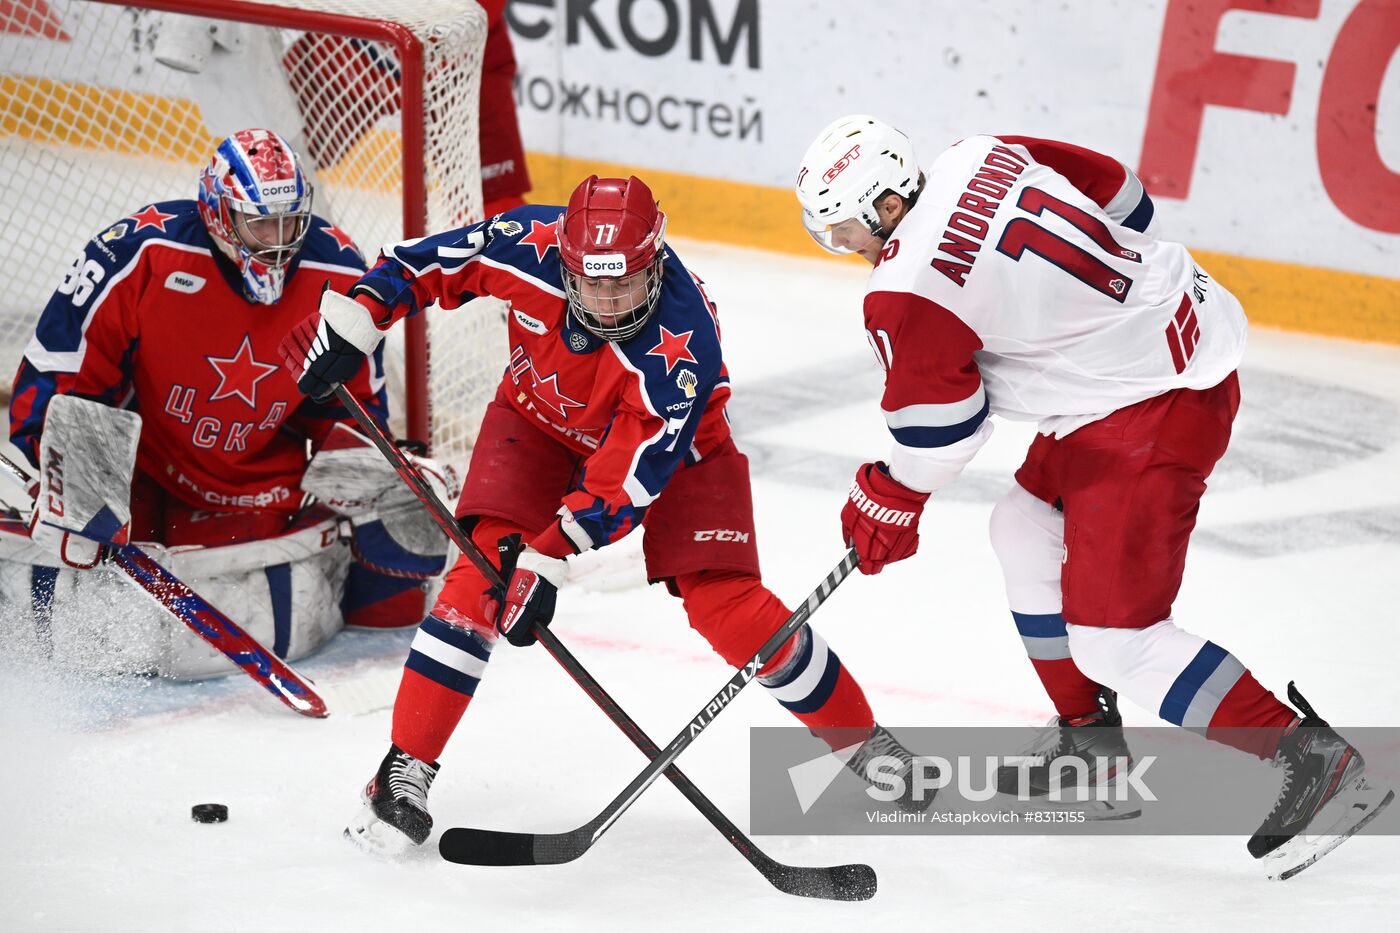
(1095, 739)
(1324, 800)
(915, 799)
(395, 816)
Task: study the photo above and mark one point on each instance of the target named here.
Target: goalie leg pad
(382, 601)
(89, 621)
(291, 607)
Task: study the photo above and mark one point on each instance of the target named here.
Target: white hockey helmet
(844, 172)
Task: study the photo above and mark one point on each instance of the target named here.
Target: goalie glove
(86, 457)
(330, 345)
(881, 518)
(529, 596)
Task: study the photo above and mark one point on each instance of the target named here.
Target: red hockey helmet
(612, 242)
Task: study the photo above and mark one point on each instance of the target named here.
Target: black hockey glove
(529, 598)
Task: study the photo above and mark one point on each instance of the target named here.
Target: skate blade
(370, 834)
(1348, 815)
(1095, 811)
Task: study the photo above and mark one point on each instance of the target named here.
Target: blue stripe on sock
(798, 665)
(440, 673)
(1183, 691)
(822, 691)
(1050, 625)
(462, 638)
(279, 592)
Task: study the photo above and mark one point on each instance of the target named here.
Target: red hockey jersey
(636, 409)
(148, 319)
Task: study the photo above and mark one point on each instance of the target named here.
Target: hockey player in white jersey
(1017, 276)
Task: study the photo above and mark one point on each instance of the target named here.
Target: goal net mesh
(105, 108)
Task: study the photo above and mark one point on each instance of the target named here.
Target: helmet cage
(629, 308)
(612, 244)
(270, 232)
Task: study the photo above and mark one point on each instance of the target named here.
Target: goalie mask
(612, 242)
(850, 166)
(256, 203)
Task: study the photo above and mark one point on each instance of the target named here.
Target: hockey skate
(1095, 739)
(395, 815)
(882, 743)
(1324, 800)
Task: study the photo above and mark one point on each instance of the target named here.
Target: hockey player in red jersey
(1016, 276)
(167, 326)
(610, 414)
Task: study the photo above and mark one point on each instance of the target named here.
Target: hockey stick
(225, 635)
(491, 847)
(840, 882)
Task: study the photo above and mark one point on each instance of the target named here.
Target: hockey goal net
(105, 107)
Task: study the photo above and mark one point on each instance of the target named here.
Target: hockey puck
(209, 813)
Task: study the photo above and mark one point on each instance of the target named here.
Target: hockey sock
(1188, 681)
(448, 656)
(736, 614)
(1028, 536)
(1047, 645)
(445, 663)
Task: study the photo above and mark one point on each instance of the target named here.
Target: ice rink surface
(1295, 568)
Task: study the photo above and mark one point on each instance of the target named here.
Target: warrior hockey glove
(529, 596)
(328, 347)
(881, 518)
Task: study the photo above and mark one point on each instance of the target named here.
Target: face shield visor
(831, 235)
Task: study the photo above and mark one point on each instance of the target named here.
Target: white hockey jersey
(1022, 283)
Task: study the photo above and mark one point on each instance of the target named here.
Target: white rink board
(736, 89)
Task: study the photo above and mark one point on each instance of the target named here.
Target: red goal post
(107, 106)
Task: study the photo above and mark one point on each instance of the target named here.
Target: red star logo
(547, 394)
(151, 217)
(240, 374)
(543, 237)
(341, 238)
(675, 348)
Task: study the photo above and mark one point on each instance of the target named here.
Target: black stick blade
(837, 883)
(467, 846)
